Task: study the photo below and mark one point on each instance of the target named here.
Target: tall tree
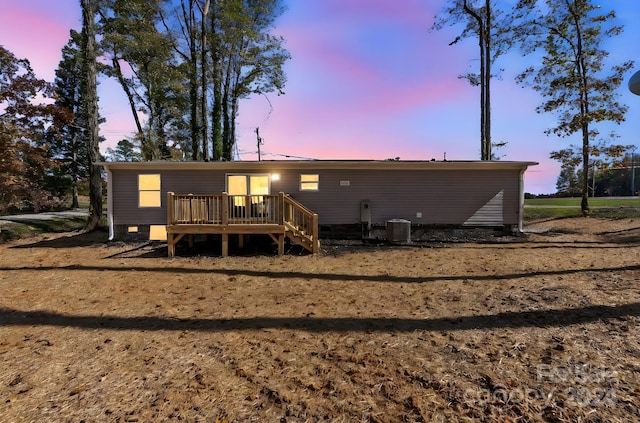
(568, 184)
(89, 84)
(132, 33)
(204, 11)
(26, 165)
(191, 63)
(248, 60)
(71, 148)
(571, 77)
(486, 21)
(182, 22)
(231, 54)
(190, 32)
(618, 181)
(126, 151)
(603, 157)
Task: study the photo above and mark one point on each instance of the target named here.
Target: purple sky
(367, 80)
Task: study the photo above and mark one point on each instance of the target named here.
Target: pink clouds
(37, 30)
(388, 65)
(367, 79)
(416, 12)
(384, 68)
(378, 127)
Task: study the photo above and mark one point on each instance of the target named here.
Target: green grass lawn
(16, 230)
(593, 202)
(614, 208)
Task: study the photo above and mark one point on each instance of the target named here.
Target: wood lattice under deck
(278, 216)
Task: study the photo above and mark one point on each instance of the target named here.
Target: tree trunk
(483, 96)
(193, 83)
(74, 169)
(234, 110)
(91, 104)
(584, 112)
(487, 84)
(226, 99)
(203, 83)
(485, 76)
(216, 111)
(132, 104)
(193, 113)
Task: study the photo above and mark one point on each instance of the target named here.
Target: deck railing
(254, 209)
(194, 209)
(223, 209)
(303, 222)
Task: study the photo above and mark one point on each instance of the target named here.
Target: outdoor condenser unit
(398, 230)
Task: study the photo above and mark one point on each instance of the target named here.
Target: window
(309, 182)
(259, 185)
(149, 191)
(255, 185)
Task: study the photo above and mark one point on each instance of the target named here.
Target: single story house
(166, 200)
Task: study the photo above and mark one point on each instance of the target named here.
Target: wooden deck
(278, 216)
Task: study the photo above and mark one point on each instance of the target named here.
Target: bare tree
(491, 26)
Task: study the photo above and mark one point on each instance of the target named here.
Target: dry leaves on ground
(538, 328)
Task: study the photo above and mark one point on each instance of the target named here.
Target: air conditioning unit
(398, 230)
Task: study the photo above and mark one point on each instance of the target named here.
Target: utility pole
(633, 172)
(634, 87)
(593, 188)
(260, 142)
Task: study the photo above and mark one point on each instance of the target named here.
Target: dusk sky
(367, 80)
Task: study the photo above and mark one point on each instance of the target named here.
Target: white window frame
(248, 176)
(304, 183)
(158, 191)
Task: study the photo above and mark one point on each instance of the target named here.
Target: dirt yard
(538, 328)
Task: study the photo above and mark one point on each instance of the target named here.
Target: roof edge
(274, 165)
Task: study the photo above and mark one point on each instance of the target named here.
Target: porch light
(275, 176)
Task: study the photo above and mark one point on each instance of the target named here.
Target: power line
(288, 156)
